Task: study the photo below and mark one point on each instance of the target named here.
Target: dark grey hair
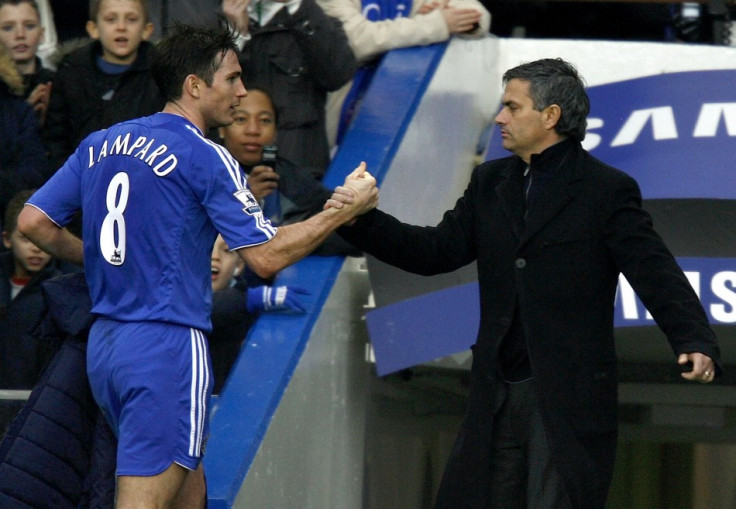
(555, 81)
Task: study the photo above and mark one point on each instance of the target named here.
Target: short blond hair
(94, 9)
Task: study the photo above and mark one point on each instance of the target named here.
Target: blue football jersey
(154, 193)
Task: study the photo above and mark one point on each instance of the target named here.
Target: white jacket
(371, 38)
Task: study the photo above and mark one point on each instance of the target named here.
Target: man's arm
(43, 232)
(295, 241)
(658, 280)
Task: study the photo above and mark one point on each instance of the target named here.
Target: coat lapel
(553, 198)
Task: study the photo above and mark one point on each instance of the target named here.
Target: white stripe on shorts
(199, 385)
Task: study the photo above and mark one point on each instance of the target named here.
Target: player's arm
(43, 232)
(295, 241)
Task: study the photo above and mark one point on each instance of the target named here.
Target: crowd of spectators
(65, 73)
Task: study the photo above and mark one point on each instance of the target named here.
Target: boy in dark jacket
(22, 270)
(103, 82)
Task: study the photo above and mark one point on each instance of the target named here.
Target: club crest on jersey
(250, 205)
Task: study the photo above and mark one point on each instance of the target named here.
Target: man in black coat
(551, 228)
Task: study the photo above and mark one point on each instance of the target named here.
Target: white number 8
(112, 251)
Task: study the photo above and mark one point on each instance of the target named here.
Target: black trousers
(522, 473)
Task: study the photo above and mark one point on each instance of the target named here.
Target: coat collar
(561, 160)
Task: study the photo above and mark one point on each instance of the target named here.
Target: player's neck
(176, 108)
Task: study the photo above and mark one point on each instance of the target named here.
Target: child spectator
(375, 27)
(22, 269)
(105, 81)
(21, 33)
(286, 192)
(299, 54)
(235, 307)
(23, 162)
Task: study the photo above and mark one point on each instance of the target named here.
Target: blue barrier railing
(276, 342)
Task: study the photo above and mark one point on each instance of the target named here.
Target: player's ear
(192, 86)
(92, 30)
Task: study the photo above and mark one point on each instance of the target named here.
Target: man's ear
(147, 31)
(552, 114)
(92, 30)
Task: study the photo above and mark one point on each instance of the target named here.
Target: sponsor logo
(713, 279)
(250, 205)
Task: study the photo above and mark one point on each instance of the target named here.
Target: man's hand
(703, 368)
(358, 183)
(363, 186)
(263, 180)
(460, 21)
(428, 7)
(236, 13)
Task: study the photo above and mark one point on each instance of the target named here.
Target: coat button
(520, 263)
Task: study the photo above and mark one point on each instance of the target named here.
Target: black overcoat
(560, 266)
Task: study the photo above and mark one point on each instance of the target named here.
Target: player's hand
(341, 196)
(263, 180)
(460, 21)
(703, 368)
(276, 298)
(236, 13)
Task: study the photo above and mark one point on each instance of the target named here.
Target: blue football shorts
(153, 382)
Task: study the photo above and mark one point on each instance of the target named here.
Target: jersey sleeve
(230, 204)
(60, 197)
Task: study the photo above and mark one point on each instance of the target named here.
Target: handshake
(357, 195)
